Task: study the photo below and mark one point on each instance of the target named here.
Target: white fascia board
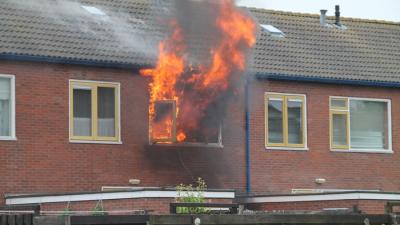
(322, 197)
(108, 196)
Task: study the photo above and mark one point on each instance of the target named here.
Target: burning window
(198, 87)
(164, 126)
(163, 123)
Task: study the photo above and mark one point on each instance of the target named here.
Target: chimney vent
(322, 18)
(337, 16)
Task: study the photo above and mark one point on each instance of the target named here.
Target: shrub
(192, 194)
(98, 210)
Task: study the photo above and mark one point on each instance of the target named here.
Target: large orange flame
(228, 59)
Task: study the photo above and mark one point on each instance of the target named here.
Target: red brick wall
(366, 206)
(42, 159)
(274, 171)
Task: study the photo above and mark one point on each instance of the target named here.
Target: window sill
(364, 151)
(96, 142)
(8, 138)
(185, 145)
(286, 149)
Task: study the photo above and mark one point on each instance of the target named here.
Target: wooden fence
(16, 219)
(271, 219)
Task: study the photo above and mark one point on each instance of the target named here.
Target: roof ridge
(303, 14)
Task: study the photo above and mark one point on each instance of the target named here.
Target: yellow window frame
(285, 98)
(346, 100)
(335, 110)
(93, 85)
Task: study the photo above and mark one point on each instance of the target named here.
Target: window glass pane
(82, 112)
(295, 123)
(5, 107)
(106, 111)
(339, 129)
(341, 103)
(163, 122)
(368, 124)
(275, 121)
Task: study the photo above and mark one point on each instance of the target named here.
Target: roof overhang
(72, 61)
(354, 195)
(326, 80)
(111, 195)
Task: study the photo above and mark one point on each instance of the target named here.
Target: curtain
(368, 124)
(295, 135)
(5, 107)
(106, 111)
(339, 123)
(275, 121)
(82, 112)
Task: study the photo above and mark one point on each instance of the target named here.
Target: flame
(237, 30)
(228, 59)
(165, 75)
(180, 136)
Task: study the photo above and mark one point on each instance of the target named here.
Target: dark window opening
(164, 128)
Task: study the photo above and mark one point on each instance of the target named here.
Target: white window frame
(285, 148)
(12, 137)
(118, 91)
(389, 117)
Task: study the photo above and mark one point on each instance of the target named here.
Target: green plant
(98, 210)
(67, 211)
(192, 194)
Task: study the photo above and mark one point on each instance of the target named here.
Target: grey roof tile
(366, 50)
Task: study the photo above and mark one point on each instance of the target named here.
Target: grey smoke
(128, 31)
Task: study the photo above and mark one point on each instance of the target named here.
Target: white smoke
(128, 31)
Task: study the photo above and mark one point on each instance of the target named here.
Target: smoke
(212, 38)
(108, 24)
(204, 37)
(119, 32)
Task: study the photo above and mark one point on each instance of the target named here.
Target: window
(164, 128)
(7, 107)
(285, 120)
(94, 111)
(273, 31)
(93, 10)
(163, 124)
(360, 124)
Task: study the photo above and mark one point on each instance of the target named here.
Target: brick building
(314, 127)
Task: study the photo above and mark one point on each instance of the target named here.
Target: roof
(65, 30)
(367, 51)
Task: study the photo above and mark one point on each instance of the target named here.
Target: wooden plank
(290, 219)
(293, 219)
(11, 219)
(3, 220)
(109, 220)
(19, 219)
(48, 220)
(171, 220)
(28, 219)
(33, 207)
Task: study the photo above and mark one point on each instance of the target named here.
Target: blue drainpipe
(247, 128)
